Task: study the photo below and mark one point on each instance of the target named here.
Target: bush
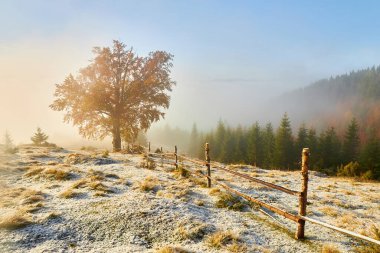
(350, 170)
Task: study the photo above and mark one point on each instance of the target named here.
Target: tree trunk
(116, 142)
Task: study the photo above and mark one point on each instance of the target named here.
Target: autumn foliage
(118, 94)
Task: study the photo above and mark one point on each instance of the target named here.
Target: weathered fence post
(303, 196)
(176, 157)
(149, 147)
(208, 165)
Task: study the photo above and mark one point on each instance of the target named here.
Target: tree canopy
(119, 93)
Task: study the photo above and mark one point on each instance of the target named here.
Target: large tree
(118, 94)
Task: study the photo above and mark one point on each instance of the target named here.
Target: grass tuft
(170, 249)
(229, 201)
(17, 220)
(328, 248)
(193, 231)
(68, 193)
(221, 238)
(149, 184)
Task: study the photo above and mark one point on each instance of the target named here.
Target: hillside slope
(334, 101)
(54, 200)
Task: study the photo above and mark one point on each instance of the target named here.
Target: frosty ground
(57, 200)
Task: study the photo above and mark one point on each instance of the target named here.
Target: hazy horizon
(229, 57)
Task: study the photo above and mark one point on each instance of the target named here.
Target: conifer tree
(302, 139)
(284, 151)
(8, 144)
(219, 140)
(269, 145)
(255, 145)
(39, 137)
(370, 156)
(194, 141)
(240, 145)
(312, 144)
(351, 142)
(330, 151)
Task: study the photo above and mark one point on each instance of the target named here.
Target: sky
(229, 56)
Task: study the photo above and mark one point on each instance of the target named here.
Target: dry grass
(100, 187)
(199, 202)
(181, 172)
(236, 247)
(31, 208)
(148, 163)
(202, 182)
(347, 221)
(227, 200)
(32, 199)
(328, 210)
(79, 184)
(327, 248)
(17, 220)
(11, 197)
(99, 194)
(220, 239)
(52, 215)
(68, 193)
(48, 173)
(170, 249)
(56, 174)
(33, 172)
(214, 192)
(148, 184)
(373, 232)
(192, 231)
(94, 175)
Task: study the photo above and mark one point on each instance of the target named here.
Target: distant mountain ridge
(335, 101)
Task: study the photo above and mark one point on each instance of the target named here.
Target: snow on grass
(83, 201)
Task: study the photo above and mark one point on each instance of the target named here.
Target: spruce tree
(312, 144)
(255, 145)
(8, 144)
(351, 142)
(269, 145)
(194, 141)
(330, 151)
(302, 139)
(284, 151)
(370, 156)
(219, 140)
(240, 145)
(39, 137)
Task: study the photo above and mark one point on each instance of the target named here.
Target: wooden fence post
(149, 147)
(303, 197)
(176, 157)
(208, 165)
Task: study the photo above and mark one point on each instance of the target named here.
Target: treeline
(334, 101)
(333, 153)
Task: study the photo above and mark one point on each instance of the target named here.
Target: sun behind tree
(39, 137)
(118, 94)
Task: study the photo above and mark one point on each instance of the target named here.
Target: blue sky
(228, 54)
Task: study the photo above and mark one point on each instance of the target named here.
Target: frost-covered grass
(84, 201)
